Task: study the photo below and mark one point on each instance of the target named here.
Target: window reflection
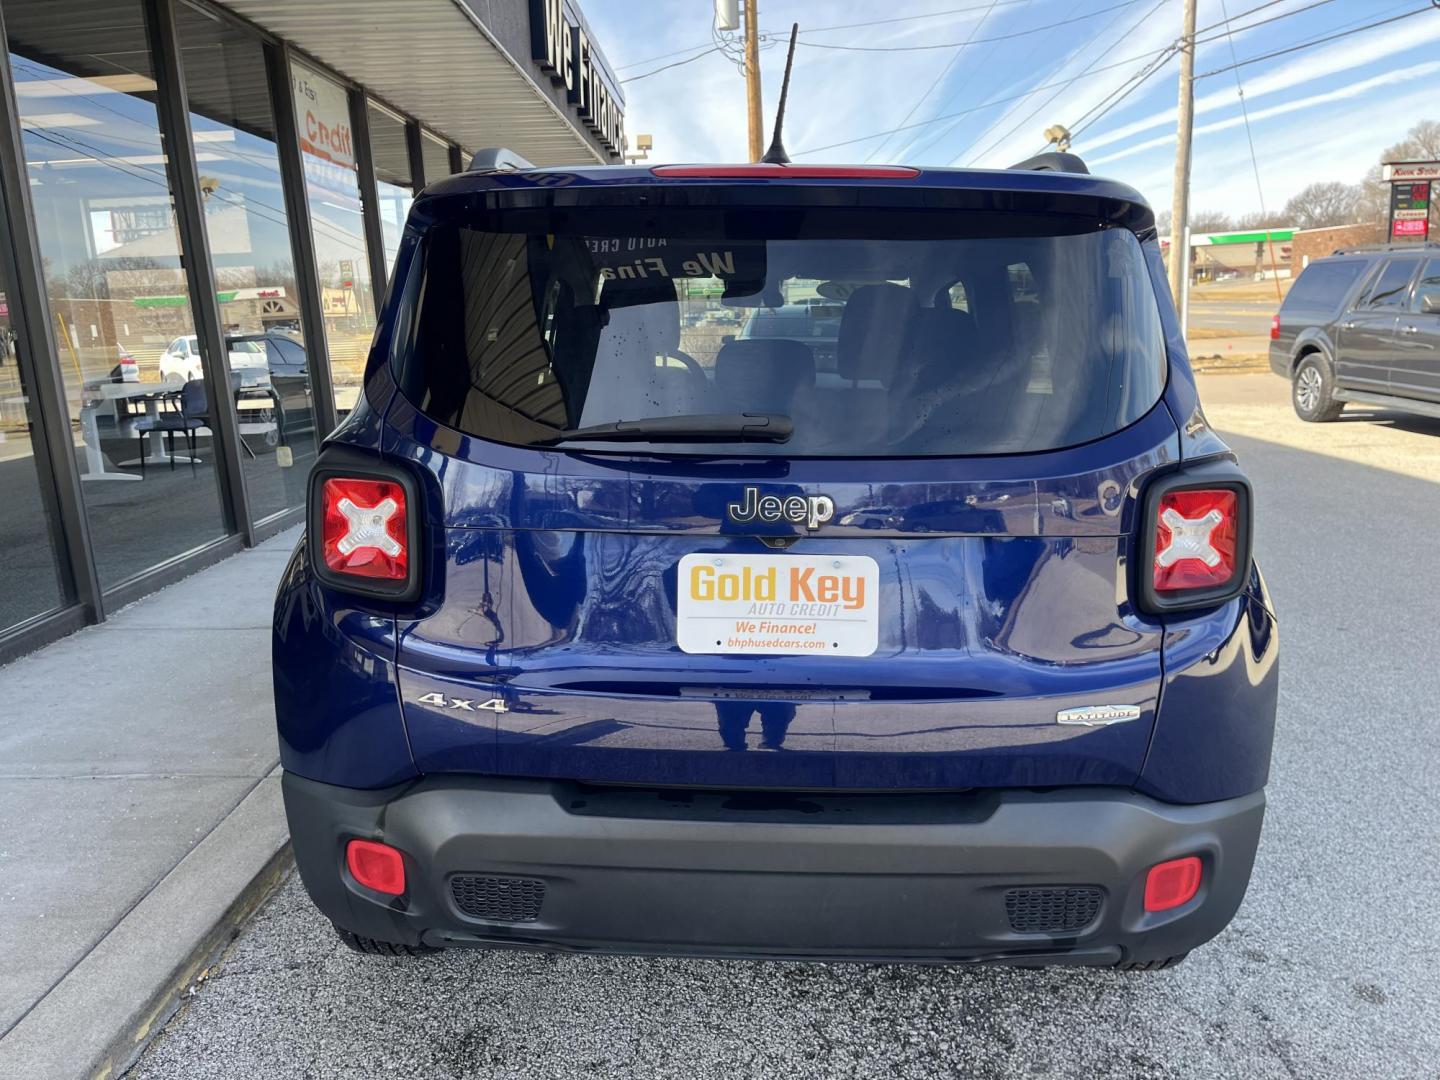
(322, 120)
(394, 184)
(28, 556)
(435, 154)
(249, 235)
(116, 284)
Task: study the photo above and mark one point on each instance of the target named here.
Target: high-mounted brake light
(365, 528)
(1196, 539)
(774, 171)
(1274, 327)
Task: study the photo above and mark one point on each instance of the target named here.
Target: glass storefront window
(435, 155)
(394, 182)
(245, 222)
(28, 556)
(332, 187)
(117, 289)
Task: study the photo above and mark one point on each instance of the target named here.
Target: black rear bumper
(1000, 876)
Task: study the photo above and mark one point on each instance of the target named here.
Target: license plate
(826, 605)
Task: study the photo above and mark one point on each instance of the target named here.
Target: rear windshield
(1321, 286)
(870, 333)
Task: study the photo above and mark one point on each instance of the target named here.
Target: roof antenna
(776, 154)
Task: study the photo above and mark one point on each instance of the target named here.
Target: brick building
(1310, 244)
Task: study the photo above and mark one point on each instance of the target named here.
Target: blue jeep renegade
(778, 561)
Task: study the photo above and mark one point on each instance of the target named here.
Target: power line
(1084, 71)
(938, 78)
(1094, 71)
(927, 15)
(983, 105)
(769, 39)
(664, 56)
(843, 26)
(1318, 41)
(1254, 161)
(973, 41)
(667, 67)
(1109, 103)
(1086, 122)
(1229, 27)
(1097, 112)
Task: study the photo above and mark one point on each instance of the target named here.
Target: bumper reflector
(376, 866)
(1172, 883)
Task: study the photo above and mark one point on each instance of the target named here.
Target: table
(96, 466)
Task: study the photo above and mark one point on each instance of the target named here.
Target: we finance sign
(561, 44)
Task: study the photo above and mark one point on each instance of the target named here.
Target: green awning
(178, 301)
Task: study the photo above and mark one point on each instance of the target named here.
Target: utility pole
(752, 76)
(1180, 195)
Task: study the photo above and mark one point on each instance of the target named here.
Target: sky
(1319, 113)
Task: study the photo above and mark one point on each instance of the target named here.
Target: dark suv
(608, 633)
(1362, 325)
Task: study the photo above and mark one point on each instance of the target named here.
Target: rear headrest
(872, 331)
(764, 374)
(943, 348)
(649, 310)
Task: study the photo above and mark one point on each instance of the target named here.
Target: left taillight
(1196, 539)
(364, 532)
(1274, 327)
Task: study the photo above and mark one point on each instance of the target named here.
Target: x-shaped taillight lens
(1196, 539)
(365, 528)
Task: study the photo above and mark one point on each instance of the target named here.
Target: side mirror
(727, 338)
(1430, 303)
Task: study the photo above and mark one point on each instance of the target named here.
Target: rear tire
(1151, 965)
(1311, 390)
(373, 947)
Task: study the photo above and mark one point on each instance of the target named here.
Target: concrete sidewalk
(140, 795)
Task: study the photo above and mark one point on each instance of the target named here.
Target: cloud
(1290, 157)
(1298, 105)
(1326, 62)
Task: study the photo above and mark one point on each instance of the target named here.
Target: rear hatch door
(918, 586)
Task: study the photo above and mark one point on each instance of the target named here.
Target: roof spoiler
(497, 159)
(1052, 162)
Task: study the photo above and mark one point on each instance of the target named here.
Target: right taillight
(1196, 534)
(1274, 327)
(1195, 539)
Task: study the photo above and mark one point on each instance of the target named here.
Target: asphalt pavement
(1329, 970)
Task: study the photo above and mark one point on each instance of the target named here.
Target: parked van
(611, 632)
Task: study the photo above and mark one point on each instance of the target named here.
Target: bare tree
(1211, 221)
(1323, 204)
(1268, 219)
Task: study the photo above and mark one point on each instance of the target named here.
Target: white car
(180, 363)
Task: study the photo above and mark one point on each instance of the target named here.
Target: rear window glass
(871, 334)
(1321, 286)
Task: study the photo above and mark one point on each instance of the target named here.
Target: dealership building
(199, 207)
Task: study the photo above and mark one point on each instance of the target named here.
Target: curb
(98, 1019)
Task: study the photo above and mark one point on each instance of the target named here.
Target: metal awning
(434, 60)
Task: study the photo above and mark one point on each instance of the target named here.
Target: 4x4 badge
(440, 701)
(812, 511)
(1098, 715)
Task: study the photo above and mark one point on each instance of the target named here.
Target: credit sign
(817, 605)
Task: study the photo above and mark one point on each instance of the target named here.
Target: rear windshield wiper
(704, 427)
